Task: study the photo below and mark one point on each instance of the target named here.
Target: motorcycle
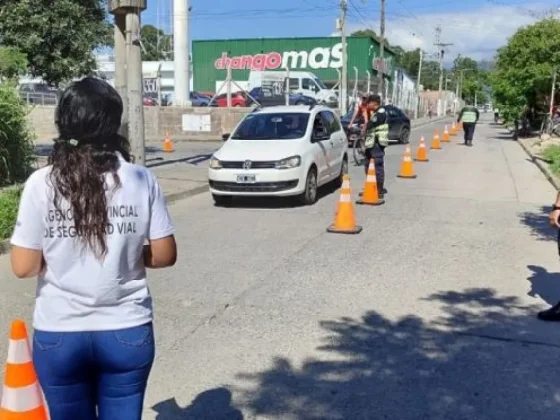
(496, 117)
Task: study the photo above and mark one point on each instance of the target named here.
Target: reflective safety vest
(381, 133)
(469, 115)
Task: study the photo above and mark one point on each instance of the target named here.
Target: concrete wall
(158, 121)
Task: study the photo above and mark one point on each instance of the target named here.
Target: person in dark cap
(377, 138)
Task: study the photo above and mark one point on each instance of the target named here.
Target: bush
(16, 146)
(9, 202)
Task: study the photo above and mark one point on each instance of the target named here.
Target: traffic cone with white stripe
(345, 218)
(445, 138)
(453, 131)
(436, 145)
(407, 167)
(22, 398)
(422, 153)
(370, 196)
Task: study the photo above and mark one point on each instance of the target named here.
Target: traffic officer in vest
(377, 138)
(469, 115)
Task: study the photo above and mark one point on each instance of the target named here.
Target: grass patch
(552, 155)
(9, 202)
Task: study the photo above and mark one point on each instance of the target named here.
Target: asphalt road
(427, 314)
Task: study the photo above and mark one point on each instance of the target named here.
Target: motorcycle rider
(496, 114)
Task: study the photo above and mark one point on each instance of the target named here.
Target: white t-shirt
(77, 291)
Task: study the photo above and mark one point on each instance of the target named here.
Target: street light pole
(344, 76)
(382, 50)
(418, 83)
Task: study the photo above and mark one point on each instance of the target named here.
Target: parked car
(399, 124)
(280, 151)
(38, 93)
(265, 97)
(148, 101)
(238, 99)
(198, 99)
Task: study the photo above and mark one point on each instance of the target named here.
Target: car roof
(293, 108)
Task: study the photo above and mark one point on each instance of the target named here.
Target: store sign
(382, 65)
(317, 58)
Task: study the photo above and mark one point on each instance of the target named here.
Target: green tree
(523, 68)
(13, 63)
(58, 37)
(16, 147)
(156, 44)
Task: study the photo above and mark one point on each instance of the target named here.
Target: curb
(172, 198)
(542, 166)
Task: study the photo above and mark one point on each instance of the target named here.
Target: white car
(280, 151)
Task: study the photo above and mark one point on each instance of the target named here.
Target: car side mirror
(225, 136)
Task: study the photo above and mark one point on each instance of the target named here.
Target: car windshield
(320, 84)
(272, 126)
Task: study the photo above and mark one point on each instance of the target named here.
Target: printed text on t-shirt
(60, 223)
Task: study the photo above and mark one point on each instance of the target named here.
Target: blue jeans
(94, 375)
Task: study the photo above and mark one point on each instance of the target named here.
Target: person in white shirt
(88, 226)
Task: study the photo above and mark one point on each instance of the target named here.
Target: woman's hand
(553, 218)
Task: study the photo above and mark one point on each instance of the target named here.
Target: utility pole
(441, 51)
(181, 47)
(128, 55)
(416, 110)
(554, 73)
(344, 77)
(382, 50)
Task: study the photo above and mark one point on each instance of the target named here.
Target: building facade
(319, 55)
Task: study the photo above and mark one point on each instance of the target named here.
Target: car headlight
(215, 163)
(289, 163)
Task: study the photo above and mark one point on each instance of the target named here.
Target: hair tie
(73, 142)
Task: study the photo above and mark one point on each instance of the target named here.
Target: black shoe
(384, 191)
(552, 314)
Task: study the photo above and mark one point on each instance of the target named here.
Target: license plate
(246, 179)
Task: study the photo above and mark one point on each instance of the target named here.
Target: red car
(238, 99)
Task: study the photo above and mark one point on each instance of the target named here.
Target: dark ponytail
(88, 118)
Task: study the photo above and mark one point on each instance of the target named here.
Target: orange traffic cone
(21, 395)
(445, 138)
(407, 167)
(453, 131)
(371, 193)
(345, 219)
(422, 153)
(436, 145)
(167, 144)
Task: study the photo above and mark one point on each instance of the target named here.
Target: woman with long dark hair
(88, 226)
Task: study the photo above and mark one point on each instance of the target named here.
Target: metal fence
(36, 98)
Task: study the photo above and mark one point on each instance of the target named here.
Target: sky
(476, 28)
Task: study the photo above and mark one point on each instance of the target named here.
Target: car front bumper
(268, 182)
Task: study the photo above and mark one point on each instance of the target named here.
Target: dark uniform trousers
(469, 131)
(377, 153)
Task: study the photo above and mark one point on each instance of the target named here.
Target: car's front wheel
(222, 200)
(309, 196)
(405, 136)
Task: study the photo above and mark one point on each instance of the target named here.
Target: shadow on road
(539, 225)
(458, 367)
(214, 404)
(279, 202)
(544, 284)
